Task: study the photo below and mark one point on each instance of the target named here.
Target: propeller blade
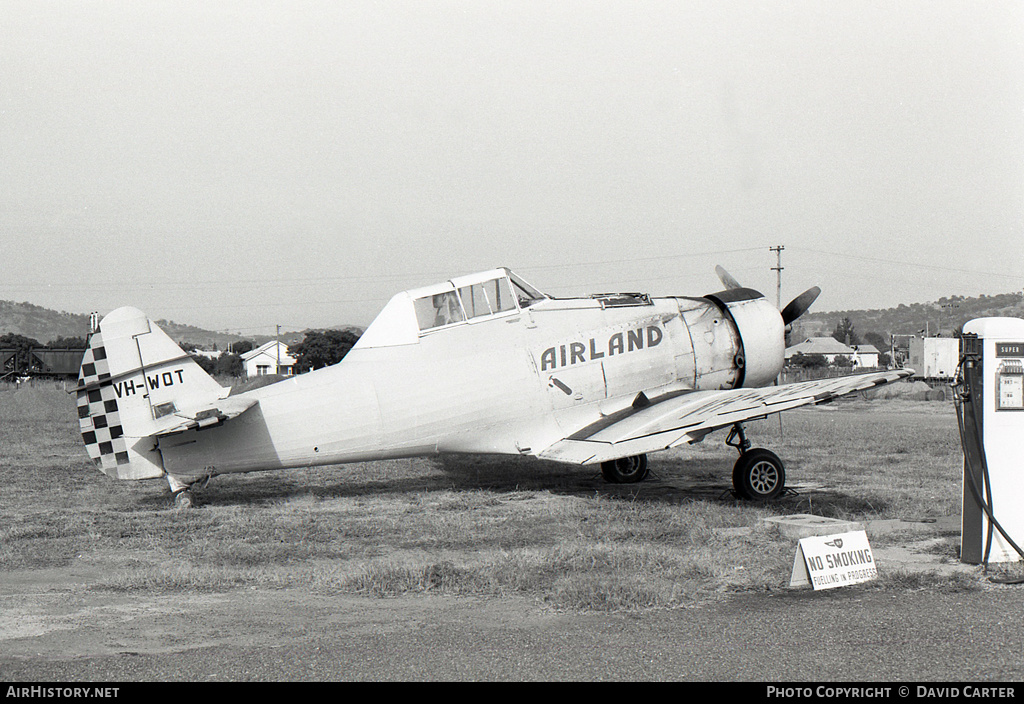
(799, 305)
(726, 277)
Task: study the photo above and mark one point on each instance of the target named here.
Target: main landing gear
(758, 474)
(625, 470)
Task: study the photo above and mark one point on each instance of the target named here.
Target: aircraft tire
(759, 475)
(625, 470)
(184, 499)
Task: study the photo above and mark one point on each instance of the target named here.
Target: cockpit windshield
(474, 297)
(438, 310)
(461, 301)
(526, 294)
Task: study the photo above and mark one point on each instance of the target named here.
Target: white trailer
(934, 357)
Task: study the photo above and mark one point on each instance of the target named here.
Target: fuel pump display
(989, 395)
(1010, 378)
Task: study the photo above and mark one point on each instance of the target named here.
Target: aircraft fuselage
(508, 383)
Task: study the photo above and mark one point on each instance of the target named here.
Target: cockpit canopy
(462, 300)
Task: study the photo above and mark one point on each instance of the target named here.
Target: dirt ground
(54, 628)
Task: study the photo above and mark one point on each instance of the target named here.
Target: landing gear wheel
(625, 470)
(759, 475)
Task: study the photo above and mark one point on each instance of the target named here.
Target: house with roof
(269, 358)
(831, 349)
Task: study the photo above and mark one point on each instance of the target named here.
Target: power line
(312, 280)
(900, 262)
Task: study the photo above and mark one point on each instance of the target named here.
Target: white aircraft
(479, 364)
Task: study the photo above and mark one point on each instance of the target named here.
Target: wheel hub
(763, 477)
(627, 465)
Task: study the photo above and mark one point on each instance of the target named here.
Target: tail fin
(132, 376)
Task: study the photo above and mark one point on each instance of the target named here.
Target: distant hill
(947, 315)
(204, 339)
(40, 323)
(45, 325)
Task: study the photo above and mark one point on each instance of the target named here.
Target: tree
(241, 347)
(322, 348)
(808, 361)
(68, 343)
(845, 333)
(226, 364)
(230, 365)
(876, 341)
(13, 339)
(205, 363)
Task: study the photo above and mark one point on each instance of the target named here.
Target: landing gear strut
(625, 470)
(758, 474)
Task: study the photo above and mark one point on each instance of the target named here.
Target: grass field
(482, 526)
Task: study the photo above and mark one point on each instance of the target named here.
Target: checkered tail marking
(98, 416)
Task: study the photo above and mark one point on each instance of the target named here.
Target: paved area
(920, 549)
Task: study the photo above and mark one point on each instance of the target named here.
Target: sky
(243, 165)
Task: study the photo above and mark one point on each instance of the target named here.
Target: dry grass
(469, 525)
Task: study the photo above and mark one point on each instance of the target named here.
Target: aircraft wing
(660, 423)
(206, 415)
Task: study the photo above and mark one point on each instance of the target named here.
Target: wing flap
(687, 418)
(591, 452)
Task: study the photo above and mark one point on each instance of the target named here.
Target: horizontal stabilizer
(208, 416)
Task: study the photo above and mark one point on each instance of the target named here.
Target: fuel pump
(989, 395)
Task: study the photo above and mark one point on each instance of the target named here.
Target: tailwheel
(185, 499)
(759, 475)
(625, 470)
(184, 492)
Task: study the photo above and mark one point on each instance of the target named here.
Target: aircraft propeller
(793, 310)
(799, 305)
(727, 279)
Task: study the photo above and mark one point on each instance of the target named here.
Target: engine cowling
(761, 332)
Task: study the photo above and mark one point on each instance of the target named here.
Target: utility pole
(950, 307)
(778, 300)
(778, 273)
